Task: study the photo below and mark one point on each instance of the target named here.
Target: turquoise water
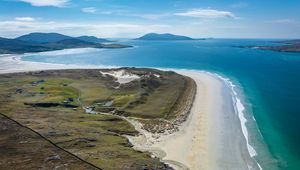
(270, 82)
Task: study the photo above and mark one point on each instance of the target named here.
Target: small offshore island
(165, 37)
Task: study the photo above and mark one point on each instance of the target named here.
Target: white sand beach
(211, 138)
(11, 63)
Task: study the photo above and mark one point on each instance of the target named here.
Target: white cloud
(112, 29)
(28, 19)
(147, 16)
(14, 28)
(56, 3)
(89, 10)
(207, 13)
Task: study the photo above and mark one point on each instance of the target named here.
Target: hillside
(20, 144)
(37, 37)
(8, 46)
(37, 42)
(92, 39)
(43, 37)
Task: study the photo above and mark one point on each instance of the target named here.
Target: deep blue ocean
(270, 82)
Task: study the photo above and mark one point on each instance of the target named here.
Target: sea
(267, 82)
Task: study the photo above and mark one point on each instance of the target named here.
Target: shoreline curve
(11, 61)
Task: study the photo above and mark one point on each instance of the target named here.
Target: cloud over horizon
(206, 13)
(283, 21)
(89, 10)
(28, 19)
(55, 3)
(12, 29)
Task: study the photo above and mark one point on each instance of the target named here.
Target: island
(165, 37)
(284, 46)
(53, 37)
(81, 117)
(40, 42)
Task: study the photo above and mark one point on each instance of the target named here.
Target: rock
(53, 158)
(51, 133)
(70, 99)
(90, 145)
(85, 140)
(19, 91)
(37, 82)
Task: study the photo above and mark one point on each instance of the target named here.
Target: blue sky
(133, 18)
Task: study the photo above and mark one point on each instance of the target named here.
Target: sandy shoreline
(11, 63)
(211, 138)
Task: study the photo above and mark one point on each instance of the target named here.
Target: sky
(133, 18)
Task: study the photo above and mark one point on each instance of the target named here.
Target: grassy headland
(53, 103)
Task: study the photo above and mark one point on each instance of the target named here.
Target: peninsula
(122, 118)
(284, 46)
(82, 115)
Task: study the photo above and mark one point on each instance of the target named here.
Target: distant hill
(12, 46)
(8, 46)
(93, 39)
(54, 37)
(167, 36)
(72, 43)
(43, 37)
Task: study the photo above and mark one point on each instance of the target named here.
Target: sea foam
(239, 109)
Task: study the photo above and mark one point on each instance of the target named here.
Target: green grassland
(51, 103)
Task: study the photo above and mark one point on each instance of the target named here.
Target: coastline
(211, 138)
(12, 63)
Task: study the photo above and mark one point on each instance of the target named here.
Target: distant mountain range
(54, 37)
(39, 42)
(160, 37)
